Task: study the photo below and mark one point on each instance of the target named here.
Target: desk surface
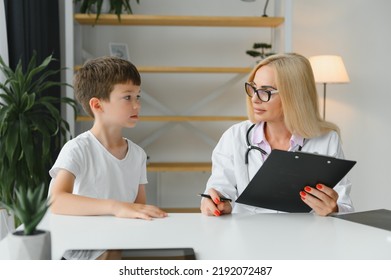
(237, 236)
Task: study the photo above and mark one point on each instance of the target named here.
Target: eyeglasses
(263, 94)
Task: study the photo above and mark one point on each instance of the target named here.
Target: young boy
(99, 172)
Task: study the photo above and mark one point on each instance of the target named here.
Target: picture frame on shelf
(119, 50)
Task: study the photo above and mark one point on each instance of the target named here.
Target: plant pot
(7, 223)
(30, 247)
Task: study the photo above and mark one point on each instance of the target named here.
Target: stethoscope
(251, 147)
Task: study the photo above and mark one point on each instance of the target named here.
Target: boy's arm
(66, 203)
(141, 195)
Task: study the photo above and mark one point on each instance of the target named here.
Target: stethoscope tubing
(251, 147)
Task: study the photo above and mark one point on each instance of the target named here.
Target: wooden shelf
(182, 210)
(148, 20)
(177, 118)
(179, 166)
(183, 69)
(187, 69)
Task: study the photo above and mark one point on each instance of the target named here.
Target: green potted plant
(31, 126)
(29, 206)
(96, 7)
(262, 53)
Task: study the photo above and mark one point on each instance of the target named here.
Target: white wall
(359, 32)
(356, 30)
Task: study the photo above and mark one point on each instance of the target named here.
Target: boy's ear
(95, 104)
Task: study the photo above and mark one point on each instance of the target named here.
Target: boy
(99, 172)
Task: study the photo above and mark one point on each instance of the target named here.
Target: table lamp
(328, 69)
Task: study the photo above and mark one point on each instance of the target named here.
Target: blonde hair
(296, 85)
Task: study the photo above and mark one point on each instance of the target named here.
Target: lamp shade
(329, 69)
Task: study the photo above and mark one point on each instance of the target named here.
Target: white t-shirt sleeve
(143, 173)
(70, 159)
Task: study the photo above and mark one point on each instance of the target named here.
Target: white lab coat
(230, 175)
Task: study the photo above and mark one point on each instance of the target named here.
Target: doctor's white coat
(230, 175)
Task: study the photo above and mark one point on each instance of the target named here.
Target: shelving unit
(185, 118)
(203, 21)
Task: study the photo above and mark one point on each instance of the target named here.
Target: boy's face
(123, 107)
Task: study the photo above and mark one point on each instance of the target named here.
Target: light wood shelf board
(188, 69)
(179, 166)
(185, 69)
(177, 118)
(164, 20)
(182, 210)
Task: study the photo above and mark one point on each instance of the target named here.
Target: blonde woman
(283, 113)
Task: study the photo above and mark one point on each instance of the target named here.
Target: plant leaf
(25, 142)
(11, 140)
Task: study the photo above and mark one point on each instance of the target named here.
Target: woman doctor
(283, 112)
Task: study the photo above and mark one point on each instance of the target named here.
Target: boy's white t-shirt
(99, 174)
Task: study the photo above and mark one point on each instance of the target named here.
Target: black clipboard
(284, 174)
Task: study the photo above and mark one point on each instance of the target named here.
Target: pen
(221, 198)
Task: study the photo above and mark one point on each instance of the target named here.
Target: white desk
(237, 236)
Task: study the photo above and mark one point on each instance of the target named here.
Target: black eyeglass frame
(257, 91)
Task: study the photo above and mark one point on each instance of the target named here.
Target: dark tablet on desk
(380, 218)
(153, 254)
(284, 174)
(159, 254)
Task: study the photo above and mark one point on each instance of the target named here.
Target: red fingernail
(303, 193)
(307, 189)
(216, 201)
(319, 186)
(217, 213)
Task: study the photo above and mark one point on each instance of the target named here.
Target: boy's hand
(137, 211)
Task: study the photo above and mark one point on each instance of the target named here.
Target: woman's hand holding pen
(322, 199)
(214, 206)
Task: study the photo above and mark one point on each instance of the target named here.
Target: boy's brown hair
(98, 77)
